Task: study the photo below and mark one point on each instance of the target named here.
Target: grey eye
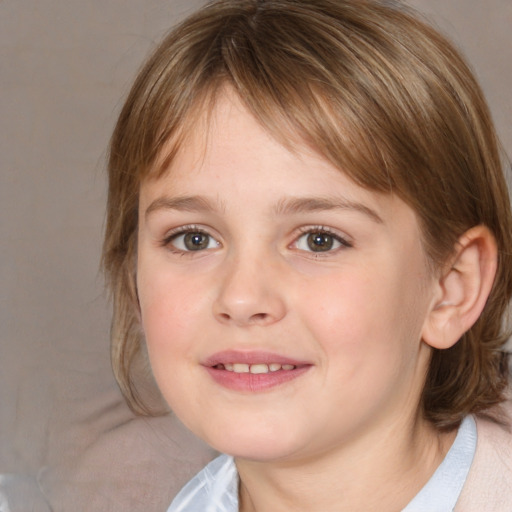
(196, 241)
(193, 241)
(318, 241)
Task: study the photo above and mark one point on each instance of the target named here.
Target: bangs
(304, 82)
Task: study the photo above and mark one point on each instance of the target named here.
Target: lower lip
(255, 382)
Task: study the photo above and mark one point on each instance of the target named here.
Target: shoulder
(489, 483)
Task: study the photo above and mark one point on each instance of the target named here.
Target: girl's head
(375, 93)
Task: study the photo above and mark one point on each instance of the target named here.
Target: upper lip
(251, 357)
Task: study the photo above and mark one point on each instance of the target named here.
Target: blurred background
(65, 68)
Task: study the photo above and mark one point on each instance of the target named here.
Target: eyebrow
(314, 204)
(182, 203)
(288, 206)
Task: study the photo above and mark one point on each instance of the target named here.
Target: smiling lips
(253, 371)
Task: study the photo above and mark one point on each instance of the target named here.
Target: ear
(462, 290)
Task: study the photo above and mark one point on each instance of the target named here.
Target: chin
(259, 452)
(256, 432)
(255, 446)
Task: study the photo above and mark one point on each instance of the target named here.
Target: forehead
(226, 139)
(227, 160)
(318, 130)
(200, 131)
(220, 129)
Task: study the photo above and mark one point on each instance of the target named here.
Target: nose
(250, 293)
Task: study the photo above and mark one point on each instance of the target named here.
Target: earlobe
(463, 289)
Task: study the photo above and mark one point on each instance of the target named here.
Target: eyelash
(183, 230)
(323, 230)
(320, 230)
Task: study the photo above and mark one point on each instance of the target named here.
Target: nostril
(239, 318)
(255, 318)
(258, 317)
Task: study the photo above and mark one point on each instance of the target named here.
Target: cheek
(169, 312)
(364, 318)
(341, 308)
(170, 307)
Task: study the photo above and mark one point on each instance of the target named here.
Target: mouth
(253, 371)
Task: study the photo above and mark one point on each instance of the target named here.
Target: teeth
(256, 368)
(241, 368)
(259, 368)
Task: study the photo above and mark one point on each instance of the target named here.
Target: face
(282, 304)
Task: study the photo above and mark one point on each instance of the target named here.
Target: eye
(191, 240)
(320, 241)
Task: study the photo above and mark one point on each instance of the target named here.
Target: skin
(348, 429)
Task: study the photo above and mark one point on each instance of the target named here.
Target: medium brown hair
(374, 90)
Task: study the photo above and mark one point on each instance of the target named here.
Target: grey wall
(481, 29)
(63, 68)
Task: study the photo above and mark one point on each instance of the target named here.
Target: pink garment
(488, 487)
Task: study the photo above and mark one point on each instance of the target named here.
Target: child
(310, 233)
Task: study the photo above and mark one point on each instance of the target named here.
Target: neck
(375, 473)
